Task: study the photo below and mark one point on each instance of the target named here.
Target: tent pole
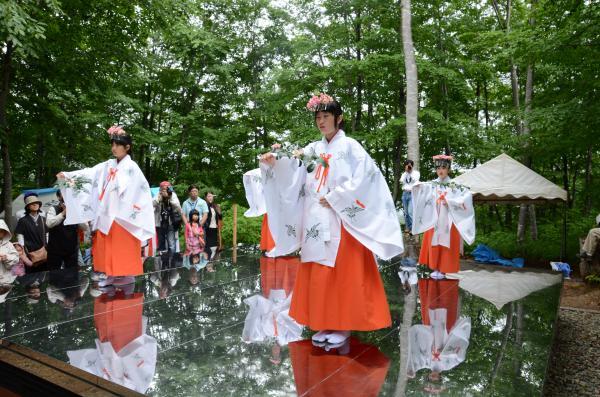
(563, 245)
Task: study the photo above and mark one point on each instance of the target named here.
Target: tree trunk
(410, 305)
(359, 82)
(506, 333)
(412, 92)
(588, 182)
(5, 133)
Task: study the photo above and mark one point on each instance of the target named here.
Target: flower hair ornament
(118, 135)
(443, 160)
(116, 130)
(319, 102)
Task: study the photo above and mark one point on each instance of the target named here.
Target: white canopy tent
(504, 180)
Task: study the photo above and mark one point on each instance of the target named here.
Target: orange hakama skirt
(440, 258)
(266, 239)
(117, 253)
(278, 273)
(349, 296)
(439, 294)
(357, 373)
(118, 320)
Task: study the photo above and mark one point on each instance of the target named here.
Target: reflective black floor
(181, 329)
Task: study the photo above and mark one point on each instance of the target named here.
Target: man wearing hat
(32, 233)
(167, 217)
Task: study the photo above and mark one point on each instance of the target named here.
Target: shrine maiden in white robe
(430, 212)
(353, 186)
(110, 192)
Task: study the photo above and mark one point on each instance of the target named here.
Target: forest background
(205, 86)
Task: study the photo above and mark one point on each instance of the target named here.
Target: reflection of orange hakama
(349, 296)
(439, 294)
(266, 239)
(118, 320)
(359, 373)
(445, 260)
(117, 253)
(278, 273)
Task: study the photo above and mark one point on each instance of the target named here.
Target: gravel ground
(575, 363)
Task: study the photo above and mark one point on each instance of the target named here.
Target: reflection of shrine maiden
(268, 316)
(441, 342)
(124, 354)
(431, 346)
(133, 366)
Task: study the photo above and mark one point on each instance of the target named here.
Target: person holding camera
(168, 217)
(408, 180)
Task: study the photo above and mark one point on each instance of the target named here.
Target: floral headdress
(442, 160)
(119, 135)
(319, 102)
(116, 130)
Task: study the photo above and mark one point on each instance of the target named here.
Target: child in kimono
(194, 234)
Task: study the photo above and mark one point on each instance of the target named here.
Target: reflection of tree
(410, 305)
(505, 335)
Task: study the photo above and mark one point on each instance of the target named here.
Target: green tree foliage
(206, 86)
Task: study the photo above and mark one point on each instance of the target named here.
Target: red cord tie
(112, 173)
(442, 198)
(322, 171)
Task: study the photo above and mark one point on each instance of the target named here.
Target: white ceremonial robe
(114, 192)
(431, 346)
(429, 211)
(355, 189)
(284, 199)
(270, 319)
(254, 193)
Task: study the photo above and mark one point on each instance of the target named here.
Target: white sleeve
(52, 219)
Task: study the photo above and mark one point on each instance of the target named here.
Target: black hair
(335, 109)
(194, 212)
(123, 140)
(192, 187)
(407, 162)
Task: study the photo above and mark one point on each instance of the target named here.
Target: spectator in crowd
(194, 234)
(168, 218)
(212, 226)
(8, 259)
(21, 213)
(194, 203)
(591, 241)
(19, 269)
(63, 240)
(408, 180)
(32, 234)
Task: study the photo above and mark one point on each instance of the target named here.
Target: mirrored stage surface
(187, 329)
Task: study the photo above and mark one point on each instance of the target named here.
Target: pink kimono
(194, 239)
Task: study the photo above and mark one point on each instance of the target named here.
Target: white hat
(4, 226)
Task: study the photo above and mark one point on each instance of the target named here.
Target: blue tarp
(561, 267)
(483, 253)
(40, 192)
